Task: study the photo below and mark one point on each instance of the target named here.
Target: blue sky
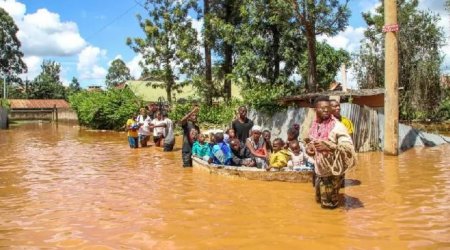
(85, 36)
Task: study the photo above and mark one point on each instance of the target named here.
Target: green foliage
(47, 85)
(118, 73)
(329, 60)
(265, 98)
(4, 103)
(444, 107)
(74, 87)
(170, 44)
(325, 17)
(419, 57)
(10, 55)
(105, 109)
(218, 115)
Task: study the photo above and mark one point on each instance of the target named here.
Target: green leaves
(118, 73)
(105, 109)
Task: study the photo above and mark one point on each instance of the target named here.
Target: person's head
(142, 111)
(134, 116)
(277, 144)
(212, 138)
(242, 111)
(292, 134)
(193, 134)
(256, 132)
(193, 117)
(335, 107)
(201, 138)
(266, 135)
(158, 115)
(294, 146)
(322, 107)
(165, 114)
(153, 107)
(230, 132)
(235, 144)
(218, 137)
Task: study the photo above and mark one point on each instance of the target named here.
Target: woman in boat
(257, 146)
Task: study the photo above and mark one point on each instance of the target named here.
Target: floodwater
(61, 187)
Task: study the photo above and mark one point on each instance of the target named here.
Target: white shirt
(159, 130)
(144, 129)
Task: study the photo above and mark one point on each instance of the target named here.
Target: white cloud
(15, 9)
(87, 66)
(43, 34)
(135, 68)
(349, 39)
(34, 66)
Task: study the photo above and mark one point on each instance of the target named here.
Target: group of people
(151, 122)
(328, 150)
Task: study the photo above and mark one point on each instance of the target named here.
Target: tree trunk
(208, 64)
(276, 55)
(312, 85)
(228, 57)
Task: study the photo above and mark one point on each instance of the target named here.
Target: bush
(106, 109)
(219, 115)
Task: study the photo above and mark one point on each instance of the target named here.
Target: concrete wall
(63, 115)
(3, 118)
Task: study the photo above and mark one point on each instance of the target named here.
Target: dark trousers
(187, 159)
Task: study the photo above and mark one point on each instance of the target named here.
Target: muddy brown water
(62, 187)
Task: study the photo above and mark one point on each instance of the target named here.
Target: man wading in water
(188, 123)
(332, 148)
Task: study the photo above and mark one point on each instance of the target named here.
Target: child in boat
(255, 143)
(241, 154)
(201, 148)
(229, 135)
(212, 140)
(132, 127)
(221, 152)
(279, 157)
(299, 159)
(292, 135)
(266, 135)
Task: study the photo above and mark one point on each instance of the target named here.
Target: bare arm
(186, 117)
(253, 151)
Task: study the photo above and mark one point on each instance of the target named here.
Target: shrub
(106, 109)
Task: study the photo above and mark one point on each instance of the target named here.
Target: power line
(114, 20)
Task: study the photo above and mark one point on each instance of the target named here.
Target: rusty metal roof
(38, 103)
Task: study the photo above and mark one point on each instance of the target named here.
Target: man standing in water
(242, 125)
(188, 123)
(332, 148)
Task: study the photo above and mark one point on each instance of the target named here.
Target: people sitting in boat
(266, 135)
(241, 154)
(333, 152)
(229, 135)
(255, 143)
(212, 140)
(279, 157)
(201, 149)
(221, 152)
(298, 161)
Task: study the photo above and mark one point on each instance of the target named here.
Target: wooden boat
(253, 173)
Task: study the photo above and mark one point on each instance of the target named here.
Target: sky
(86, 36)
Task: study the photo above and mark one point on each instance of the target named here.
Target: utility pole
(391, 78)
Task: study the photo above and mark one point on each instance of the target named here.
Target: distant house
(94, 88)
(150, 91)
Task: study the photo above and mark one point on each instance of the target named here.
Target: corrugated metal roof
(38, 103)
(350, 92)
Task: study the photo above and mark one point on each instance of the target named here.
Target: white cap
(256, 128)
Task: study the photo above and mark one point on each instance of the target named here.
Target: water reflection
(62, 187)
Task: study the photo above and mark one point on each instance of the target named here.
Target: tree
(420, 41)
(10, 55)
(170, 46)
(329, 61)
(207, 44)
(118, 73)
(74, 87)
(47, 85)
(319, 17)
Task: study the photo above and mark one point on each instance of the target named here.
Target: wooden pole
(391, 78)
